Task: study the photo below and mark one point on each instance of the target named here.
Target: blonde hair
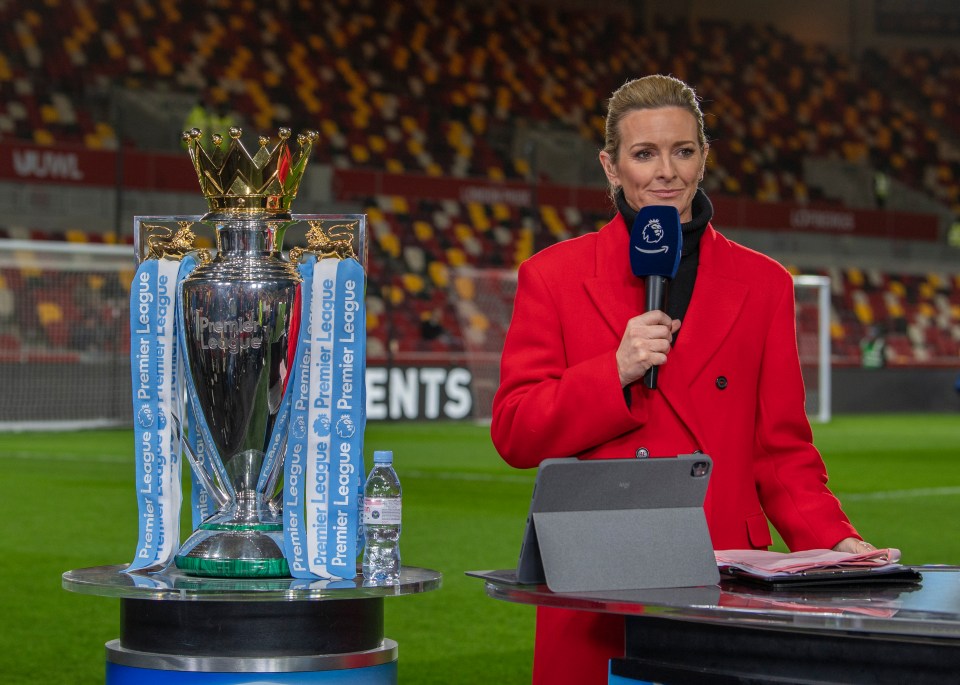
(649, 92)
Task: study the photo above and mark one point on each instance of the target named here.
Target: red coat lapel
(616, 293)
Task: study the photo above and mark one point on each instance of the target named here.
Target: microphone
(655, 242)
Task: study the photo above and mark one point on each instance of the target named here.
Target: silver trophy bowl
(240, 320)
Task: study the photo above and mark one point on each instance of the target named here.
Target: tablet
(618, 524)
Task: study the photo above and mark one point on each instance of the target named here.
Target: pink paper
(761, 562)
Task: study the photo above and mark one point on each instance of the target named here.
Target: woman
(729, 382)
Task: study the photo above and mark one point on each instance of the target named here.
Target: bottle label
(383, 511)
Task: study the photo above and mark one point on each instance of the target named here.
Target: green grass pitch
(69, 503)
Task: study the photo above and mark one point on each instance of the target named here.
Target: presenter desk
(737, 633)
(176, 628)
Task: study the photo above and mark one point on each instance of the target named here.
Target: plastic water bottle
(382, 499)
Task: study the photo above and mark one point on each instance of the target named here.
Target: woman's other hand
(853, 546)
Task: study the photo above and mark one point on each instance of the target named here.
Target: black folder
(829, 578)
(619, 524)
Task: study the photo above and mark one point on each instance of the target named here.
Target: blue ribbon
(202, 505)
(350, 417)
(155, 375)
(294, 465)
(323, 474)
(277, 441)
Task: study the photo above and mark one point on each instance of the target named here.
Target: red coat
(731, 388)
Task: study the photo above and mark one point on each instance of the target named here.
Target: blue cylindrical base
(131, 667)
(375, 675)
(612, 680)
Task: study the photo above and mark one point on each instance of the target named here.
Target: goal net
(64, 335)
(483, 300)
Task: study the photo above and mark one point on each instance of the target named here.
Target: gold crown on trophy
(234, 181)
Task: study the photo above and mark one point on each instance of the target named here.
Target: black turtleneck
(680, 289)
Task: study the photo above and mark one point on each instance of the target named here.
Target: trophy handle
(220, 497)
(271, 493)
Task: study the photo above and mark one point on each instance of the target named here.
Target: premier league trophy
(239, 318)
(252, 366)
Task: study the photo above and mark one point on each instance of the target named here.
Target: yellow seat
(43, 137)
(422, 230)
(359, 153)
(456, 257)
(48, 114)
(390, 244)
(465, 287)
(479, 322)
(478, 216)
(413, 283)
(439, 274)
(399, 205)
(49, 312)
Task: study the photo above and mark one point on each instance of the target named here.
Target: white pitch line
(436, 475)
(499, 478)
(900, 494)
(451, 475)
(100, 458)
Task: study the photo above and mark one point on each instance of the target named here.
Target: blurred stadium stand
(507, 99)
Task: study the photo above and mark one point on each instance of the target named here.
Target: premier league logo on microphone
(655, 241)
(652, 234)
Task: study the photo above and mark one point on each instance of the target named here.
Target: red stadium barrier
(171, 172)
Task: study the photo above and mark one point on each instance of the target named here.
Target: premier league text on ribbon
(155, 387)
(323, 477)
(294, 469)
(348, 409)
(152, 320)
(321, 414)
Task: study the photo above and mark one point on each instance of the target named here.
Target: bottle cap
(383, 457)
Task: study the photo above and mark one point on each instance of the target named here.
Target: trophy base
(234, 551)
(234, 568)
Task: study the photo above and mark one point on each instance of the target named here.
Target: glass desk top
(172, 584)
(930, 609)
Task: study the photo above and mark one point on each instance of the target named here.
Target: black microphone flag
(655, 243)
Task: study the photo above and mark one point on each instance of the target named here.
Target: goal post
(812, 295)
